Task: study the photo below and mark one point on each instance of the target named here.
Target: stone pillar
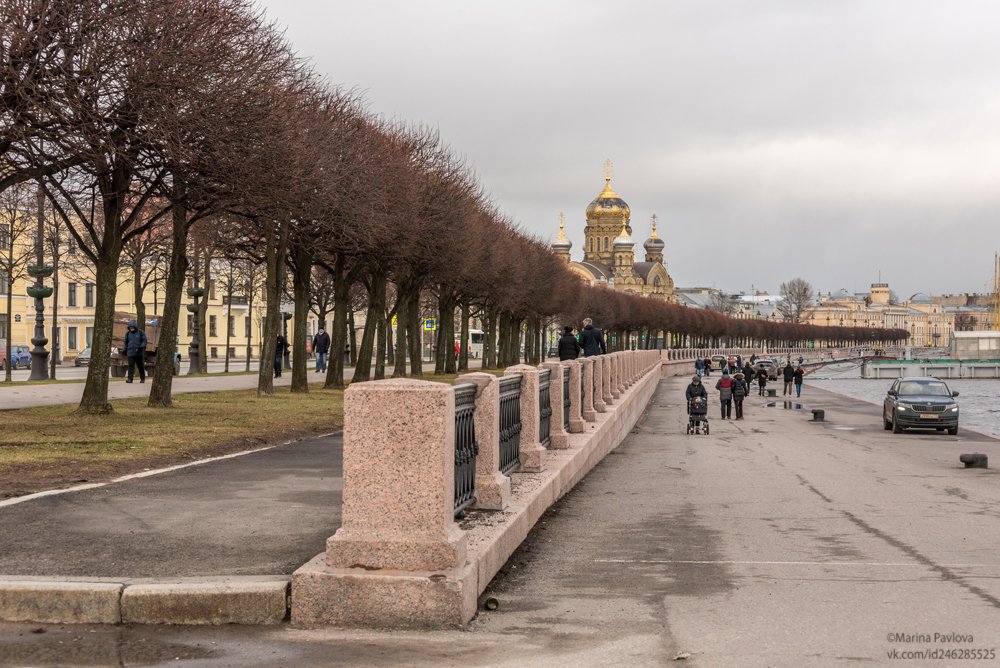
(558, 438)
(492, 487)
(574, 368)
(588, 410)
(398, 560)
(612, 360)
(608, 397)
(599, 404)
(622, 368)
(399, 479)
(532, 451)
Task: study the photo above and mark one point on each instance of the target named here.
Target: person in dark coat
(741, 388)
(279, 354)
(725, 388)
(708, 366)
(592, 340)
(748, 374)
(568, 347)
(788, 374)
(321, 348)
(135, 351)
(695, 389)
(699, 367)
(797, 377)
(761, 380)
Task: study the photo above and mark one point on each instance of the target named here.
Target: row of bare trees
(192, 125)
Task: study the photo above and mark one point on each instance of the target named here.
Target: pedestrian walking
(592, 340)
(458, 350)
(699, 366)
(280, 346)
(801, 360)
(788, 374)
(748, 374)
(798, 375)
(568, 347)
(725, 388)
(696, 389)
(761, 380)
(135, 351)
(740, 390)
(708, 366)
(321, 348)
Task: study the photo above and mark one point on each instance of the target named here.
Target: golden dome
(608, 204)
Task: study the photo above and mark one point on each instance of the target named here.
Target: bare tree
(722, 303)
(796, 296)
(15, 253)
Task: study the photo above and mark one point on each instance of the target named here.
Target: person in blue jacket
(135, 351)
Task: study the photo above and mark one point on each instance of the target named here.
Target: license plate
(928, 416)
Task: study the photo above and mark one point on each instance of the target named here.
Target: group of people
(590, 342)
(734, 386)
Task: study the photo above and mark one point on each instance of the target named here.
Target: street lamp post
(39, 355)
(195, 293)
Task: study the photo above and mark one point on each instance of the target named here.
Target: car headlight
(954, 409)
(904, 407)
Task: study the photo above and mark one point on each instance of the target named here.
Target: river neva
(978, 400)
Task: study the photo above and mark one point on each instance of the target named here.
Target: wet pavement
(775, 541)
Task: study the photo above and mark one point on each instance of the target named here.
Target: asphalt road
(773, 542)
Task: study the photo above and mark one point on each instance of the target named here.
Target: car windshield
(910, 388)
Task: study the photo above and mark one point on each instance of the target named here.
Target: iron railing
(565, 399)
(466, 447)
(544, 407)
(510, 423)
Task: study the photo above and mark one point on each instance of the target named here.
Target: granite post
(532, 451)
(492, 487)
(606, 394)
(574, 368)
(613, 359)
(398, 560)
(598, 387)
(587, 410)
(558, 438)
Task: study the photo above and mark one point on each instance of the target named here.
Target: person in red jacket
(725, 388)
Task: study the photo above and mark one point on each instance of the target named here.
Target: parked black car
(923, 403)
(83, 359)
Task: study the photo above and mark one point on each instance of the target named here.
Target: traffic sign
(395, 321)
(430, 324)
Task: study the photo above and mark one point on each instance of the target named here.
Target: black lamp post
(286, 361)
(38, 291)
(195, 293)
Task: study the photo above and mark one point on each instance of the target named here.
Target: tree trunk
(166, 348)
(382, 345)
(7, 378)
(463, 355)
(338, 338)
(203, 314)
(95, 391)
(402, 318)
(442, 347)
(275, 248)
(352, 334)
(490, 341)
(376, 307)
(415, 336)
(249, 332)
(448, 323)
(301, 277)
(230, 325)
(140, 305)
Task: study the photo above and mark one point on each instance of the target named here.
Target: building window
(89, 335)
(71, 245)
(231, 327)
(211, 326)
(3, 328)
(3, 285)
(605, 243)
(247, 324)
(88, 292)
(190, 324)
(71, 294)
(211, 289)
(71, 333)
(5, 236)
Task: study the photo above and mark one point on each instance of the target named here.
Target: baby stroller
(698, 416)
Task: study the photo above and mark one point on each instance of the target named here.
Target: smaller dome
(562, 242)
(623, 240)
(654, 242)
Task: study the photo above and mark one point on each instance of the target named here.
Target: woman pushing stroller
(697, 405)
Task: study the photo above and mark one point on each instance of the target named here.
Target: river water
(978, 400)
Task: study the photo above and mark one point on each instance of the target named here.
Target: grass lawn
(51, 447)
(47, 447)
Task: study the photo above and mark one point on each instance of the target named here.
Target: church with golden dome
(609, 250)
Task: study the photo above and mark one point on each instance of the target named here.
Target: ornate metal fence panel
(544, 407)
(510, 423)
(565, 399)
(466, 447)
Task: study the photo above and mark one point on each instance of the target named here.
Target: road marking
(146, 474)
(738, 562)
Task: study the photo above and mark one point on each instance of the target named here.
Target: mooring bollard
(974, 460)
(818, 414)
(772, 393)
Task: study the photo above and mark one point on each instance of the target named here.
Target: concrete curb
(255, 600)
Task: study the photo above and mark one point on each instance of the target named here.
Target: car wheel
(953, 431)
(886, 423)
(896, 428)
(706, 429)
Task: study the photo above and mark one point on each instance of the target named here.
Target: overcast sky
(831, 140)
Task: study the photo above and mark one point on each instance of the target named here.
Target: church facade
(609, 257)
